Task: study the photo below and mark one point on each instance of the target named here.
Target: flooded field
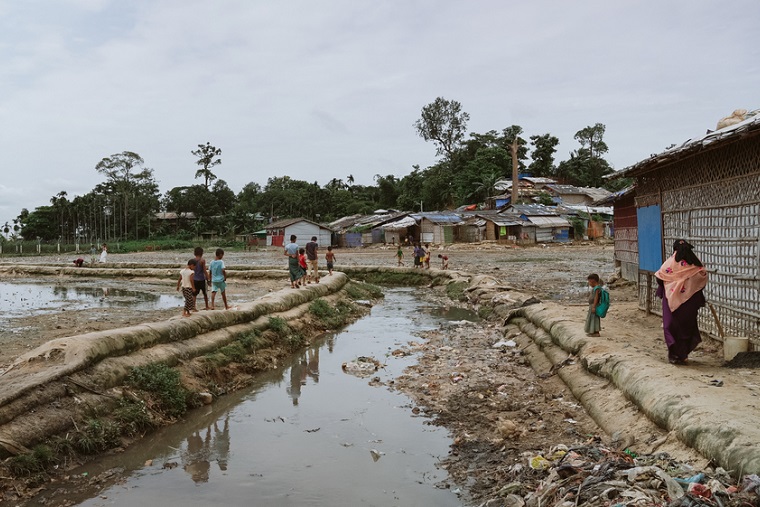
(21, 299)
(305, 434)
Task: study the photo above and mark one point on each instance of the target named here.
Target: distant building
(569, 194)
(279, 232)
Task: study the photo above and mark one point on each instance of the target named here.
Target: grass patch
(279, 326)
(98, 435)
(133, 417)
(40, 459)
(455, 291)
(361, 290)
(332, 317)
(321, 309)
(484, 312)
(393, 278)
(164, 383)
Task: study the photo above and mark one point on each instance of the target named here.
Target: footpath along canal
(307, 433)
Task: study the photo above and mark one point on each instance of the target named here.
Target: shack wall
(712, 199)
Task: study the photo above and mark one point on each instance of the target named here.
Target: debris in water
(376, 454)
(362, 366)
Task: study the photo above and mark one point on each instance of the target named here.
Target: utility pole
(513, 149)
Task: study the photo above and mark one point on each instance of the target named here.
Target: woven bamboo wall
(712, 200)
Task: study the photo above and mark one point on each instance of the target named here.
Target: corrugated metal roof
(440, 218)
(532, 210)
(403, 223)
(710, 140)
(549, 221)
(281, 224)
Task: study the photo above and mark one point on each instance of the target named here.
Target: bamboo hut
(706, 191)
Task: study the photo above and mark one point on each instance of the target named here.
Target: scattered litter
(504, 343)
(313, 430)
(376, 454)
(362, 366)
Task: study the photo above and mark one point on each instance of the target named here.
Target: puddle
(25, 299)
(305, 434)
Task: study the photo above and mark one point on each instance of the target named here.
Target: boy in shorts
(200, 277)
(218, 278)
(330, 259)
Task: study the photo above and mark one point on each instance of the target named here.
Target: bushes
(163, 382)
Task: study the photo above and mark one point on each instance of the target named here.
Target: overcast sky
(323, 89)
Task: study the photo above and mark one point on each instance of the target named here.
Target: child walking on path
(593, 322)
(400, 256)
(218, 278)
(302, 264)
(200, 277)
(330, 260)
(427, 255)
(188, 287)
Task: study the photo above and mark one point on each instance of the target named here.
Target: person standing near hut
(680, 280)
(312, 261)
(291, 251)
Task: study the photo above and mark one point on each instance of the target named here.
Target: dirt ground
(499, 410)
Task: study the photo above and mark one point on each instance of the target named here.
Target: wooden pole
(515, 193)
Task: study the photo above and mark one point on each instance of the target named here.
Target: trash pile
(593, 475)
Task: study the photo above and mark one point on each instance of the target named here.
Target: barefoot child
(302, 264)
(330, 259)
(400, 256)
(200, 277)
(188, 287)
(444, 261)
(218, 278)
(593, 323)
(426, 259)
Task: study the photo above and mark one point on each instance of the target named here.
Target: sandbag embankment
(65, 356)
(714, 421)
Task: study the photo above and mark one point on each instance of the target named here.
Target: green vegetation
(332, 318)
(164, 383)
(361, 290)
(455, 291)
(40, 459)
(403, 279)
(98, 435)
(484, 312)
(133, 417)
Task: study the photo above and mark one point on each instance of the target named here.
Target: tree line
(469, 165)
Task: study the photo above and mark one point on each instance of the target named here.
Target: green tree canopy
(443, 122)
(207, 158)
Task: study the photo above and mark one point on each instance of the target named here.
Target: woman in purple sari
(680, 281)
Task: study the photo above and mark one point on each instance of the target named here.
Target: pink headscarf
(682, 280)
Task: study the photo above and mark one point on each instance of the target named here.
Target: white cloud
(327, 89)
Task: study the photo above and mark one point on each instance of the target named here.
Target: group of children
(421, 257)
(303, 264)
(193, 280)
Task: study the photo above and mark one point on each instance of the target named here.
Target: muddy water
(21, 299)
(306, 434)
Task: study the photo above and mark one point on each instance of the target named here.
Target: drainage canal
(305, 434)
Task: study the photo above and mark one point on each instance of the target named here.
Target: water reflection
(303, 434)
(306, 366)
(203, 449)
(23, 299)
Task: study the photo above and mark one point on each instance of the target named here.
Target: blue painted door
(650, 237)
